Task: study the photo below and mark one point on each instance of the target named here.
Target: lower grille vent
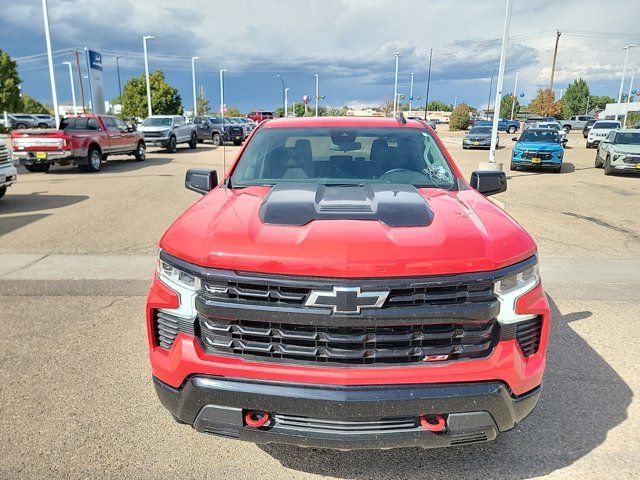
(166, 328)
(317, 425)
(528, 335)
(464, 438)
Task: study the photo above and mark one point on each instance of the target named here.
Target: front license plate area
(41, 155)
(536, 160)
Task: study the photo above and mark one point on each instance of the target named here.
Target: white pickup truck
(167, 131)
(576, 122)
(8, 173)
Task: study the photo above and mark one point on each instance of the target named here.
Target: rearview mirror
(201, 180)
(489, 182)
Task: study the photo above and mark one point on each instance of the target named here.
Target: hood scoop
(395, 205)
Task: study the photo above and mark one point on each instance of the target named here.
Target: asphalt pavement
(76, 401)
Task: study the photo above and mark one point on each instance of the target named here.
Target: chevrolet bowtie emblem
(346, 299)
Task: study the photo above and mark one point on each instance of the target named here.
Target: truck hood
(633, 149)
(538, 146)
(154, 129)
(467, 233)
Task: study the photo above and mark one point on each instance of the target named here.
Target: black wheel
(513, 167)
(237, 142)
(3, 190)
(83, 168)
(95, 160)
(21, 126)
(216, 139)
(588, 144)
(567, 128)
(608, 169)
(598, 162)
(172, 147)
(38, 167)
(141, 152)
(511, 129)
(42, 125)
(464, 148)
(193, 143)
(557, 169)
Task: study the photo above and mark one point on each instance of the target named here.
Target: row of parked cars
(22, 121)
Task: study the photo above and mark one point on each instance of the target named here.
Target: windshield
(553, 126)
(609, 125)
(548, 136)
(343, 155)
(480, 130)
(628, 138)
(157, 122)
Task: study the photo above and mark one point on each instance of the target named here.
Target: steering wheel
(402, 173)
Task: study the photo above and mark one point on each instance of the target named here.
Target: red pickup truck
(83, 140)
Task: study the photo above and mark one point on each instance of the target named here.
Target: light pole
(426, 99)
(455, 102)
(119, 82)
(395, 85)
(626, 112)
(222, 92)
(286, 102)
(496, 107)
(73, 90)
(490, 88)
(283, 87)
(317, 92)
(47, 34)
(411, 90)
(515, 95)
(146, 70)
(193, 79)
(624, 69)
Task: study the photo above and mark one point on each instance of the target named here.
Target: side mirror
(489, 182)
(131, 128)
(514, 139)
(201, 180)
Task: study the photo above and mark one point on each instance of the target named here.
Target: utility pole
(222, 93)
(193, 79)
(283, 87)
(75, 52)
(73, 90)
(586, 112)
(411, 91)
(47, 35)
(455, 102)
(553, 64)
(626, 112)
(490, 88)
(426, 98)
(492, 165)
(86, 58)
(286, 102)
(395, 86)
(317, 94)
(515, 95)
(624, 71)
(146, 70)
(119, 84)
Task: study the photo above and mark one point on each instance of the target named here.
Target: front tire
(95, 161)
(141, 152)
(513, 167)
(567, 128)
(172, 146)
(237, 142)
(21, 126)
(598, 162)
(216, 139)
(557, 169)
(608, 169)
(193, 143)
(3, 190)
(588, 144)
(511, 129)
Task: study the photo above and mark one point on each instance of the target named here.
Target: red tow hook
(256, 419)
(440, 424)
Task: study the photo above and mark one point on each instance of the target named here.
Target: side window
(180, 121)
(110, 123)
(120, 124)
(611, 136)
(92, 124)
(198, 121)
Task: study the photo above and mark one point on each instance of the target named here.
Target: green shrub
(460, 117)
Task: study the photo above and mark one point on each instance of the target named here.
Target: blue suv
(539, 148)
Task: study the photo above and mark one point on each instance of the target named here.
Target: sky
(350, 44)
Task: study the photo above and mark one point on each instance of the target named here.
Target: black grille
(166, 328)
(540, 155)
(324, 425)
(413, 295)
(528, 335)
(363, 345)
(632, 159)
(152, 134)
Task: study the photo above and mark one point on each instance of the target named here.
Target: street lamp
(395, 85)
(490, 88)
(119, 81)
(283, 86)
(193, 79)
(222, 70)
(624, 69)
(317, 92)
(286, 102)
(146, 70)
(73, 90)
(496, 107)
(513, 97)
(411, 90)
(47, 34)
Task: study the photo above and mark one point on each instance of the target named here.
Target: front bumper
(472, 144)
(347, 417)
(8, 175)
(29, 157)
(156, 141)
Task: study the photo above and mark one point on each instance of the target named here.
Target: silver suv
(168, 131)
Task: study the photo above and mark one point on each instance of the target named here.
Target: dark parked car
(218, 130)
(587, 127)
(479, 137)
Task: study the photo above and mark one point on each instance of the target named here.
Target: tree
(336, 111)
(233, 112)
(505, 106)
(9, 84)
(202, 106)
(460, 117)
(574, 101)
(31, 105)
(600, 101)
(437, 105)
(165, 99)
(544, 104)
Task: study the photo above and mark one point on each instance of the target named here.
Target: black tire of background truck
(200, 141)
(608, 169)
(598, 162)
(216, 139)
(3, 190)
(193, 143)
(172, 146)
(567, 128)
(513, 167)
(557, 169)
(95, 160)
(141, 152)
(21, 126)
(38, 167)
(43, 125)
(588, 145)
(237, 142)
(511, 129)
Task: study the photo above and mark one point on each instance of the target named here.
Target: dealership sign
(95, 82)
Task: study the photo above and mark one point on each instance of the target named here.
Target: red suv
(260, 116)
(343, 286)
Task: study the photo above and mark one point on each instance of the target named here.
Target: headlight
(184, 284)
(509, 289)
(618, 156)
